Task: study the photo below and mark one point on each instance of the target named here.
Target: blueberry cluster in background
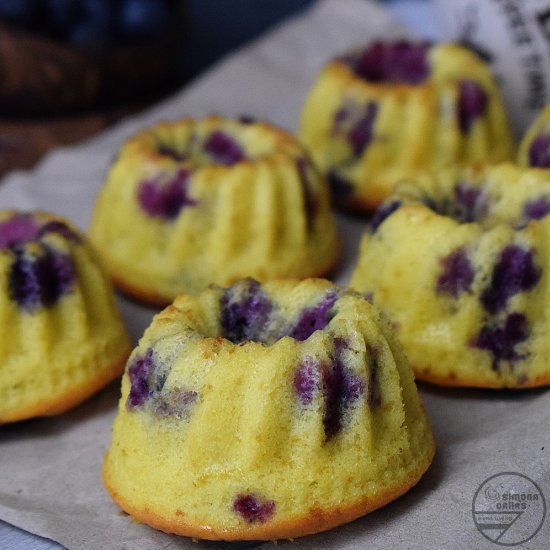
(91, 24)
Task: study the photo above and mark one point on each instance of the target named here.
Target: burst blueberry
(314, 318)
(469, 203)
(166, 200)
(224, 149)
(18, 229)
(539, 151)
(514, 272)
(537, 209)
(457, 275)
(361, 133)
(253, 509)
(40, 280)
(342, 389)
(472, 103)
(501, 340)
(139, 372)
(397, 63)
(244, 312)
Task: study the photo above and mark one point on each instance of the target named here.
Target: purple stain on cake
(40, 280)
(374, 399)
(18, 229)
(537, 209)
(244, 312)
(253, 509)
(457, 274)
(139, 373)
(166, 200)
(472, 103)
(177, 403)
(539, 152)
(224, 149)
(314, 318)
(383, 212)
(308, 379)
(514, 272)
(396, 63)
(470, 203)
(501, 341)
(342, 388)
(167, 151)
(360, 134)
(310, 200)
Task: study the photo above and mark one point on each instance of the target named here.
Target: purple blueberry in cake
(469, 202)
(244, 312)
(342, 389)
(18, 229)
(501, 340)
(537, 209)
(139, 373)
(314, 318)
(361, 133)
(224, 149)
(396, 63)
(253, 509)
(40, 280)
(166, 200)
(472, 102)
(457, 274)
(539, 151)
(514, 272)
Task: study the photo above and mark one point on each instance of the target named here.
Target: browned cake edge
(315, 521)
(53, 405)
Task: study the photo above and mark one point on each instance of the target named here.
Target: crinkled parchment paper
(50, 481)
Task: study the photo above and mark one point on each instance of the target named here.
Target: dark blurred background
(218, 26)
(69, 68)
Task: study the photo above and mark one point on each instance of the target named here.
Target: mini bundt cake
(460, 264)
(534, 149)
(62, 336)
(196, 202)
(264, 412)
(393, 110)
